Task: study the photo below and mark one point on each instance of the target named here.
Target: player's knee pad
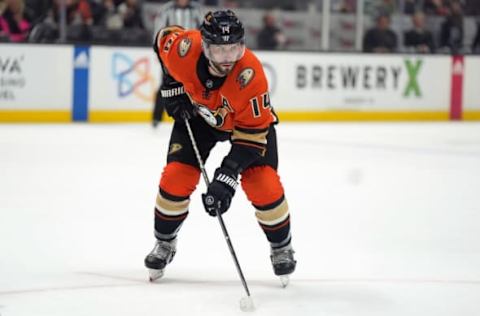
(262, 185)
(179, 180)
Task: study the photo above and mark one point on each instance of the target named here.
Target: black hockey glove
(176, 101)
(220, 192)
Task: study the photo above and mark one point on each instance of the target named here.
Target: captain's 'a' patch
(245, 77)
(184, 47)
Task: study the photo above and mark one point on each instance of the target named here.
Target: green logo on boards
(413, 68)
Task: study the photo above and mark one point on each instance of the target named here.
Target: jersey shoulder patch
(245, 77)
(184, 47)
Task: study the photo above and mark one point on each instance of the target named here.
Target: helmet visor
(225, 53)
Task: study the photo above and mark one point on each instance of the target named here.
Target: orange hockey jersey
(239, 103)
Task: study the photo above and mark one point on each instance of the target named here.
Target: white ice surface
(385, 220)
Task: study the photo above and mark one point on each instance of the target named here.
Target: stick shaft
(219, 216)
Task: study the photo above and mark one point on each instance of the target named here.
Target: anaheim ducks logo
(174, 148)
(184, 47)
(245, 76)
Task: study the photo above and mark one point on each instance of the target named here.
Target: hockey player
(219, 85)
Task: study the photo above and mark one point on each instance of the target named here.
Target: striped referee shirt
(170, 13)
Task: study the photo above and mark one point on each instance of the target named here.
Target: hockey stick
(246, 303)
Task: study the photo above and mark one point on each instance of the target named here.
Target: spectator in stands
(380, 39)
(111, 17)
(344, 6)
(184, 13)
(435, 7)
(419, 39)
(14, 27)
(120, 22)
(131, 14)
(451, 31)
(387, 7)
(78, 18)
(270, 36)
(410, 6)
(78, 12)
(36, 10)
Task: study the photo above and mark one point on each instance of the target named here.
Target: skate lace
(282, 256)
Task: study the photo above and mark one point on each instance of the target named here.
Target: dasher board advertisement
(471, 91)
(36, 77)
(349, 82)
(123, 79)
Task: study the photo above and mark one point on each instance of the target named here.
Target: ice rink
(385, 221)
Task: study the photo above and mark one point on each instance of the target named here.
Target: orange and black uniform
(235, 108)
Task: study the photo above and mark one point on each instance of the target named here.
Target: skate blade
(284, 280)
(154, 275)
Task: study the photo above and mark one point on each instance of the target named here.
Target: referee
(184, 13)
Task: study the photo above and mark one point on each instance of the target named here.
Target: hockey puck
(246, 304)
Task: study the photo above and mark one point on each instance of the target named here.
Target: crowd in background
(419, 39)
(123, 22)
(86, 21)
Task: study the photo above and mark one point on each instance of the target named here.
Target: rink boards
(63, 83)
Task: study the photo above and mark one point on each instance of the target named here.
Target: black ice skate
(283, 263)
(161, 255)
